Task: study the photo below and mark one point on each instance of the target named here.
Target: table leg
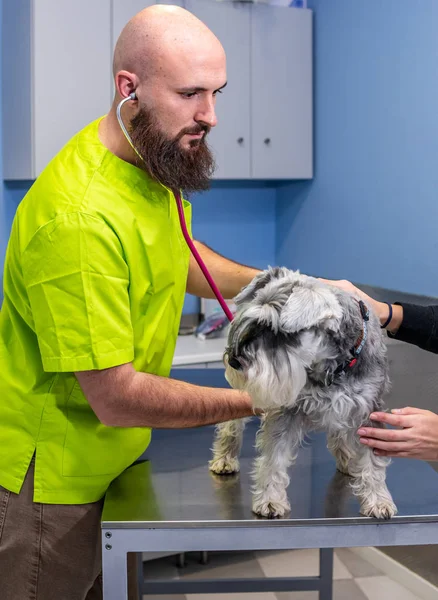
(115, 575)
(326, 573)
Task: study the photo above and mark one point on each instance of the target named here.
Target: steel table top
(173, 487)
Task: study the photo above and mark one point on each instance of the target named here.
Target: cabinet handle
(267, 141)
(240, 140)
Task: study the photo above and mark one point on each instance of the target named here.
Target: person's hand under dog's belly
(417, 438)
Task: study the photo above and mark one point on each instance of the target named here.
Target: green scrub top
(95, 276)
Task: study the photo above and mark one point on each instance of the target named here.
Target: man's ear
(125, 83)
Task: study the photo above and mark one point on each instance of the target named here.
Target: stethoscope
(177, 196)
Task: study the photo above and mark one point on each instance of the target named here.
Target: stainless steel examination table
(170, 502)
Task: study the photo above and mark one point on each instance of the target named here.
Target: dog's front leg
(226, 447)
(278, 441)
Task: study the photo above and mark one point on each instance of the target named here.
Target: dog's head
(289, 330)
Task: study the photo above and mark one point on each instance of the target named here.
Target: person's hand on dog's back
(380, 308)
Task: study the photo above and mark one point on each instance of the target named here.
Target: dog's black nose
(234, 363)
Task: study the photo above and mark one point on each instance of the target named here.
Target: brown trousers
(48, 551)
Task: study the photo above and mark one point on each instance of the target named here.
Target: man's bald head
(157, 35)
(176, 66)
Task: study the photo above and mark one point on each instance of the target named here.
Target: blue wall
(238, 221)
(371, 213)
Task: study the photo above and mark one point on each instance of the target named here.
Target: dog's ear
(267, 303)
(249, 292)
(310, 307)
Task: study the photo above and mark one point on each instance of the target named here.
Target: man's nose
(206, 114)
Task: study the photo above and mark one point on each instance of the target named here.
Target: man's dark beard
(176, 168)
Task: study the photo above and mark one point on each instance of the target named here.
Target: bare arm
(230, 277)
(122, 397)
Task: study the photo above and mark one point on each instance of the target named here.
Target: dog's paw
(225, 465)
(381, 509)
(271, 509)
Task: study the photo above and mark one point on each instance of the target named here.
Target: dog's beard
(176, 168)
(273, 380)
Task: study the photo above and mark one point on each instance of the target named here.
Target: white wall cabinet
(281, 93)
(264, 126)
(55, 78)
(59, 78)
(230, 140)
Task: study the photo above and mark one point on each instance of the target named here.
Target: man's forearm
(145, 400)
(230, 277)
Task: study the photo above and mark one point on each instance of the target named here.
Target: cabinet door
(281, 44)
(230, 139)
(16, 107)
(71, 71)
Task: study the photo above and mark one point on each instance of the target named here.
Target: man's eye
(188, 94)
(217, 92)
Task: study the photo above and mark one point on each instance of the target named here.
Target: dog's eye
(234, 363)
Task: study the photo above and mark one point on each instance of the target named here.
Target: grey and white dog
(311, 356)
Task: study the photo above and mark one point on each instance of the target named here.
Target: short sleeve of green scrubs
(77, 282)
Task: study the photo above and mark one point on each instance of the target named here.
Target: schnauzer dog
(311, 356)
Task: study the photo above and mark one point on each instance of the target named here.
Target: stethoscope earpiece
(133, 96)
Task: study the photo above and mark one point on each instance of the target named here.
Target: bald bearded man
(95, 277)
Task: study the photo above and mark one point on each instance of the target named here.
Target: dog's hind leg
(368, 473)
(278, 442)
(226, 447)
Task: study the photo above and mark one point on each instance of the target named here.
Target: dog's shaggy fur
(290, 347)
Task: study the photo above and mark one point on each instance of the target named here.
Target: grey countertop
(191, 350)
